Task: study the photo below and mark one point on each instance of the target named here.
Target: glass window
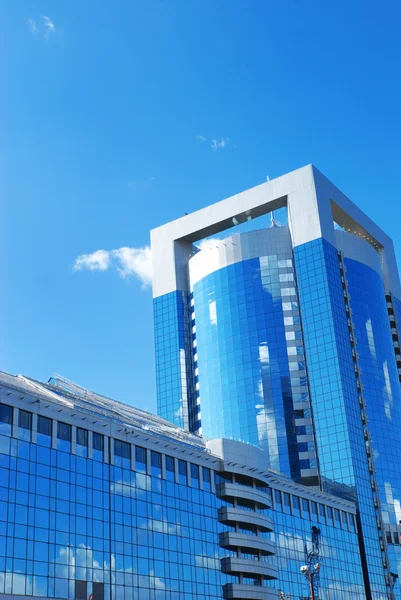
(395, 537)
(44, 432)
(81, 590)
(122, 454)
(322, 513)
(63, 437)
(182, 472)
(296, 506)
(329, 515)
(156, 464)
(98, 441)
(82, 442)
(44, 425)
(140, 459)
(337, 517)
(64, 431)
(287, 503)
(6, 419)
(195, 475)
(6, 414)
(277, 498)
(25, 419)
(170, 473)
(98, 591)
(206, 479)
(305, 508)
(97, 446)
(314, 510)
(24, 425)
(82, 437)
(344, 519)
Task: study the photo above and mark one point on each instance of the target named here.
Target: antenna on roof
(272, 221)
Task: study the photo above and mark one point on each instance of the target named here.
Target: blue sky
(104, 107)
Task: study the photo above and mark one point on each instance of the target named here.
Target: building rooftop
(62, 391)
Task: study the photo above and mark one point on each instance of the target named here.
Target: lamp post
(310, 572)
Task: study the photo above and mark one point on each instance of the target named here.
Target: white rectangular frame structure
(312, 201)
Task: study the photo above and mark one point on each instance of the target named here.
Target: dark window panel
(170, 464)
(122, 449)
(156, 459)
(44, 425)
(82, 437)
(98, 591)
(98, 441)
(25, 419)
(6, 414)
(64, 431)
(81, 590)
(140, 455)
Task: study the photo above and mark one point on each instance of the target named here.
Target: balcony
(233, 540)
(229, 515)
(248, 567)
(239, 591)
(235, 490)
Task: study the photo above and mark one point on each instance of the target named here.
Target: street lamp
(309, 572)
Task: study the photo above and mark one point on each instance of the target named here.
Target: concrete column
(34, 428)
(90, 444)
(148, 471)
(73, 439)
(106, 449)
(54, 434)
(111, 457)
(133, 457)
(15, 422)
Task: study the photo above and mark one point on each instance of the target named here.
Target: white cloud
(219, 144)
(201, 138)
(129, 262)
(32, 26)
(97, 261)
(135, 261)
(49, 25)
(44, 27)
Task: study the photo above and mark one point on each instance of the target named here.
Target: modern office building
(287, 338)
(101, 501)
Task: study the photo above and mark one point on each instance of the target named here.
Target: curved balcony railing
(229, 515)
(249, 567)
(239, 591)
(232, 540)
(235, 490)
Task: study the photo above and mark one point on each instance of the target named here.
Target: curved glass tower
(249, 352)
(288, 338)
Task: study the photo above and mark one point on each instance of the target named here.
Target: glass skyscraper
(287, 338)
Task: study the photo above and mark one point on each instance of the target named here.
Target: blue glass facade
(336, 410)
(64, 518)
(293, 520)
(251, 362)
(85, 515)
(381, 388)
(174, 379)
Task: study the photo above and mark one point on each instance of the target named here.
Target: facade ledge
(228, 514)
(235, 490)
(238, 591)
(234, 540)
(233, 564)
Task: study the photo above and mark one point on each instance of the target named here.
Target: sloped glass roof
(62, 391)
